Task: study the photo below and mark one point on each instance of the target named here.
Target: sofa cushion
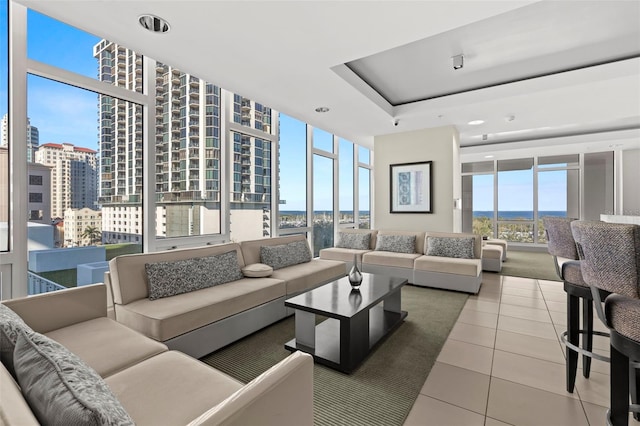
(170, 317)
(129, 276)
(10, 326)
(60, 388)
(183, 276)
(342, 254)
(257, 270)
(350, 240)
(305, 276)
(398, 260)
(106, 345)
(459, 247)
(449, 265)
(170, 389)
(284, 255)
(396, 243)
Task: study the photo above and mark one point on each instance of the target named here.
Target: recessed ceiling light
(475, 122)
(488, 156)
(322, 109)
(154, 24)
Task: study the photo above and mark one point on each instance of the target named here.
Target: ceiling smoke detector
(322, 109)
(154, 24)
(458, 62)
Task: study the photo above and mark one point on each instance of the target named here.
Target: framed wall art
(411, 187)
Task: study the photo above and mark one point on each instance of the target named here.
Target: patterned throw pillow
(396, 243)
(60, 388)
(458, 247)
(284, 255)
(183, 276)
(353, 240)
(10, 326)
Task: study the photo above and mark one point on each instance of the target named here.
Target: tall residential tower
(194, 121)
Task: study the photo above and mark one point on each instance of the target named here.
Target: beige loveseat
(200, 322)
(416, 264)
(154, 385)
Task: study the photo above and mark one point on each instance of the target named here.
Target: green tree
(92, 233)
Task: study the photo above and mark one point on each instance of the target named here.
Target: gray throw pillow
(183, 276)
(458, 247)
(10, 326)
(60, 388)
(284, 255)
(396, 243)
(353, 240)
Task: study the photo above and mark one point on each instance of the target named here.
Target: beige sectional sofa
(154, 385)
(200, 322)
(416, 264)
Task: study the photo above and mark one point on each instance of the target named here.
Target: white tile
(559, 318)
(536, 373)
(531, 328)
(469, 333)
(530, 346)
(482, 319)
(517, 404)
(482, 306)
(553, 296)
(527, 302)
(557, 306)
(541, 315)
(466, 355)
(458, 386)
(595, 389)
(428, 411)
(522, 292)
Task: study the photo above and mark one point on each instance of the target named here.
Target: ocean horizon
(519, 214)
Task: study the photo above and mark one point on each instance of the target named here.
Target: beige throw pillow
(257, 270)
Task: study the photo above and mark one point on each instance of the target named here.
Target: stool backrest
(560, 240)
(610, 255)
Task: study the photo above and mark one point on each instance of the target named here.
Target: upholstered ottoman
(501, 243)
(492, 258)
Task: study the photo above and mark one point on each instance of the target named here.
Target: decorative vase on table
(355, 276)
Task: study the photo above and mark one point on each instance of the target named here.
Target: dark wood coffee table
(358, 320)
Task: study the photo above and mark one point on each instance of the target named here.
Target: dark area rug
(383, 389)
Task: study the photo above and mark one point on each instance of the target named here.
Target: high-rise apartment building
(73, 176)
(194, 119)
(33, 137)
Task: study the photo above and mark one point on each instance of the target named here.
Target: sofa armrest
(50, 311)
(282, 395)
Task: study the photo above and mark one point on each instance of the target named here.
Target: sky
(64, 113)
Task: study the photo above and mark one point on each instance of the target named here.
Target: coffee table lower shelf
(329, 341)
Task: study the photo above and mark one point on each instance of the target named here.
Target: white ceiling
(290, 55)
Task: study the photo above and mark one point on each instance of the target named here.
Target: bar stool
(610, 260)
(562, 247)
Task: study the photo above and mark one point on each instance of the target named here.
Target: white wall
(630, 180)
(439, 145)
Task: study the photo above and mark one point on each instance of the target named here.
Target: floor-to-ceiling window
(364, 187)
(346, 182)
(4, 110)
(323, 190)
(292, 174)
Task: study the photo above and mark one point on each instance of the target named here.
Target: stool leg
(587, 336)
(619, 387)
(573, 320)
(634, 387)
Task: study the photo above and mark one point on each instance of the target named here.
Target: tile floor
(503, 363)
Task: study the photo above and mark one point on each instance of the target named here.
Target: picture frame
(411, 187)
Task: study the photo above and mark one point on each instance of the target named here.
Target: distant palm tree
(92, 233)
